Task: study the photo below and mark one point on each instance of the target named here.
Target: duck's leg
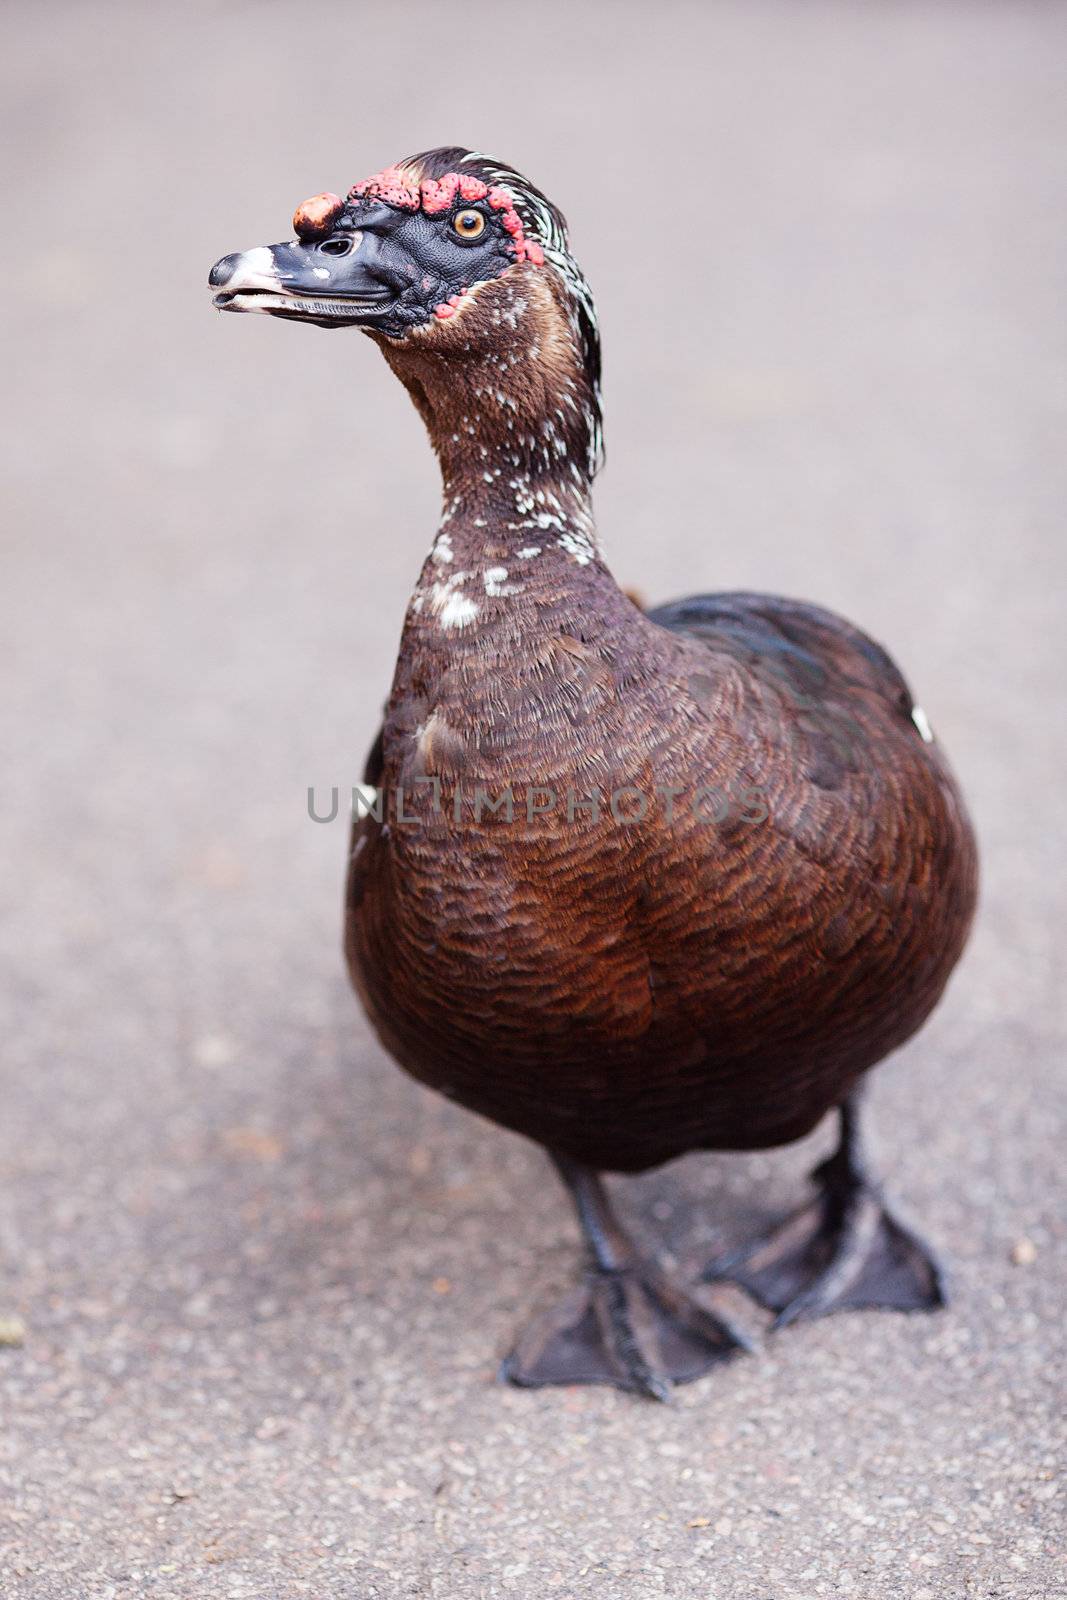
(627, 1324)
(844, 1250)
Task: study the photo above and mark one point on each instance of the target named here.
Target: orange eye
(469, 224)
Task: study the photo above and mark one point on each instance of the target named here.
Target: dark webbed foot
(844, 1251)
(627, 1325)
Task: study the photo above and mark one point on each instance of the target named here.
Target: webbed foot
(627, 1324)
(845, 1250)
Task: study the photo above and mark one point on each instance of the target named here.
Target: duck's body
(716, 975)
(633, 885)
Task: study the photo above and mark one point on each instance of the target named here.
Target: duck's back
(713, 959)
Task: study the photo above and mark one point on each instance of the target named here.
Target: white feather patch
(922, 722)
(457, 611)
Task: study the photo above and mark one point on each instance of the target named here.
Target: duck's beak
(339, 282)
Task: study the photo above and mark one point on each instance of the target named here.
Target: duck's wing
(814, 656)
(832, 741)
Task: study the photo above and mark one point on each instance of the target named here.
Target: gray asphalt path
(263, 1281)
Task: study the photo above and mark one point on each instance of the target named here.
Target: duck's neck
(498, 506)
(511, 425)
(511, 548)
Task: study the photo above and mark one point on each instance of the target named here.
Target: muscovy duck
(631, 884)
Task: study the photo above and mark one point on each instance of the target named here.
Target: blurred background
(254, 1283)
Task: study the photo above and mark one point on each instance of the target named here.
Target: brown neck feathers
(504, 395)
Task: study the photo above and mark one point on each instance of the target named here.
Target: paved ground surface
(264, 1280)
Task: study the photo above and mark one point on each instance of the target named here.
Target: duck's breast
(750, 883)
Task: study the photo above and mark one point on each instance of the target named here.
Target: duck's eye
(469, 224)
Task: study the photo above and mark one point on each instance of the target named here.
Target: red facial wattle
(394, 187)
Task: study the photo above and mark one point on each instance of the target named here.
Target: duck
(632, 883)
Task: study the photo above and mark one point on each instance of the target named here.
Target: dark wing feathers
(811, 651)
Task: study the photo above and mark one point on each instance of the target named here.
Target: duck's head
(448, 256)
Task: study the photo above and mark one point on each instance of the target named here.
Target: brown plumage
(624, 990)
(753, 881)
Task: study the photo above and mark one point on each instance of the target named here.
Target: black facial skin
(387, 268)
